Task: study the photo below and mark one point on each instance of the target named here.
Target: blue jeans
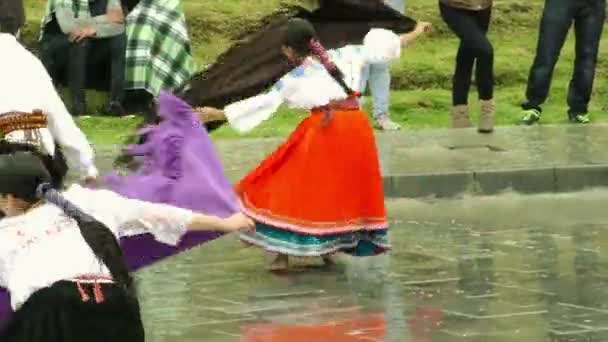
(378, 76)
(559, 15)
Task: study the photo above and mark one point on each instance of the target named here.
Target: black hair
(56, 165)
(9, 25)
(25, 176)
(300, 35)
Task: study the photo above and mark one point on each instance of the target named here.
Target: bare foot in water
(281, 263)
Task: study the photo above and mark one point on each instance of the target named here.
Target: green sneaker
(580, 118)
(531, 116)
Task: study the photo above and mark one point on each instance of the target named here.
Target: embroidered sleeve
(247, 114)
(167, 223)
(171, 151)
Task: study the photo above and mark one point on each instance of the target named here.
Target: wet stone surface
(440, 151)
(506, 268)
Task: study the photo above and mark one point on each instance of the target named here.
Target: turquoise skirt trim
(360, 243)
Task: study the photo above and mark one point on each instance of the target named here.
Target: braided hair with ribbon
(25, 177)
(302, 38)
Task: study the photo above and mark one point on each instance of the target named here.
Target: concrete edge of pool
(553, 179)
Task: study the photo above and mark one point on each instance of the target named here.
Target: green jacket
(473, 5)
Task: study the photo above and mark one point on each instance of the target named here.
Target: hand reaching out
(424, 27)
(209, 114)
(421, 27)
(238, 223)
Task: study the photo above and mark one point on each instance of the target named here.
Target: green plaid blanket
(158, 47)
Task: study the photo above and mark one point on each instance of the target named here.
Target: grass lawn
(421, 79)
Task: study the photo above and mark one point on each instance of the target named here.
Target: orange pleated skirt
(324, 183)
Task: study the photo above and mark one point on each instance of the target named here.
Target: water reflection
(532, 276)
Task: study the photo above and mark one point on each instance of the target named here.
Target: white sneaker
(385, 123)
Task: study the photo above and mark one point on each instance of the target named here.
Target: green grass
(421, 79)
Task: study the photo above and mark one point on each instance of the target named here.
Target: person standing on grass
(588, 18)
(470, 21)
(378, 77)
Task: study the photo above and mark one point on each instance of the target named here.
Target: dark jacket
(473, 5)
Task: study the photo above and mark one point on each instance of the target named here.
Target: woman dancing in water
(60, 258)
(321, 192)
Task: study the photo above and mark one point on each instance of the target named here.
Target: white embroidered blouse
(26, 86)
(310, 85)
(44, 245)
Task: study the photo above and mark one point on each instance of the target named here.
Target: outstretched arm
(421, 27)
(237, 222)
(210, 114)
(167, 223)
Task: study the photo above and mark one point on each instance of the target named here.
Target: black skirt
(59, 314)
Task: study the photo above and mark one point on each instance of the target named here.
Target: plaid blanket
(158, 47)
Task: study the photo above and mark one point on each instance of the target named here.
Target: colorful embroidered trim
(16, 121)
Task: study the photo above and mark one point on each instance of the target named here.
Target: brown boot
(460, 117)
(487, 117)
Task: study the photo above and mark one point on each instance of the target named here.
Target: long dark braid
(301, 37)
(319, 51)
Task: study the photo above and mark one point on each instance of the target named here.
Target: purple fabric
(181, 168)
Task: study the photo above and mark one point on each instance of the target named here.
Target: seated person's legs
(106, 67)
(81, 44)
(118, 46)
(66, 62)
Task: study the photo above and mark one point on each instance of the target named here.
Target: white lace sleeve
(131, 217)
(247, 114)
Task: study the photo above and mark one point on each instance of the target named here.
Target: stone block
(526, 181)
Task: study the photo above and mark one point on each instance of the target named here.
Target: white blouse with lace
(310, 85)
(44, 245)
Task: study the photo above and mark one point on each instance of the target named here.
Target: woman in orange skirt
(321, 192)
